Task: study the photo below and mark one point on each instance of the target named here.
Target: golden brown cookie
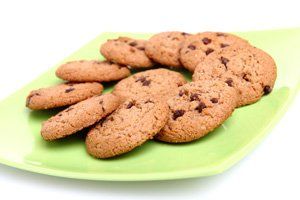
(92, 71)
(135, 122)
(196, 47)
(197, 109)
(158, 82)
(62, 95)
(126, 51)
(251, 71)
(79, 116)
(164, 48)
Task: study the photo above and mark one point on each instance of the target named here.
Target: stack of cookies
(157, 102)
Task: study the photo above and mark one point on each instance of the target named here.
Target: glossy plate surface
(21, 145)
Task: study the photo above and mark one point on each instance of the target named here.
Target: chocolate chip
(111, 119)
(130, 104)
(183, 33)
(103, 109)
(141, 48)
(224, 45)
(140, 79)
(229, 82)
(146, 83)
(200, 107)
(132, 50)
(178, 113)
(220, 34)
(69, 90)
(245, 77)
(59, 115)
(192, 47)
(182, 92)
(206, 41)
(224, 61)
(267, 90)
(133, 44)
(101, 102)
(214, 100)
(194, 97)
(208, 51)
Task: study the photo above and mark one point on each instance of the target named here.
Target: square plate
(21, 145)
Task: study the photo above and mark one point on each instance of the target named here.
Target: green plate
(21, 145)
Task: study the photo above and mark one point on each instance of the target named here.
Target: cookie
(159, 82)
(197, 47)
(164, 48)
(92, 71)
(126, 51)
(197, 109)
(251, 71)
(61, 95)
(131, 125)
(79, 116)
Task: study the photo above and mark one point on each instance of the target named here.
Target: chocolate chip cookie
(79, 116)
(159, 82)
(126, 51)
(164, 48)
(197, 109)
(197, 47)
(61, 95)
(92, 71)
(131, 125)
(251, 71)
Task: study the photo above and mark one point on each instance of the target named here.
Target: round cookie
(164, 48)
(251, 71)
(131, 125)
(126, 51)
(61, 95)
(197, 109)
(161, 82)
(197, 47)
(92, 70)
(79, 116)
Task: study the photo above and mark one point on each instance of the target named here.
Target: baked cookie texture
(197, 109)
(156, 82)
(164, 48)
(132, 124)
(79, 116)
(196, 47)
(251, 71)
(62, 95)
(126, 51)
(92, 71)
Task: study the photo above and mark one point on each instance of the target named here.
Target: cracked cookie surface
(79, 116)
(196, 47)
(157, 82)
(164, 48)
(251, 71)
(197, 109)
(92, 71)
(62, 95)
(131, 125)
(126, 51)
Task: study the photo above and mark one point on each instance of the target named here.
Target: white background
(35, 35)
